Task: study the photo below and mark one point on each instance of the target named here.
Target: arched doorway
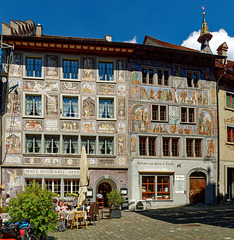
(103, 189)
(197, 187)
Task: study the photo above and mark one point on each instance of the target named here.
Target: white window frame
(25, 94)
(90, 136)
(114, 145)
(33, 55)
(70, 58)
(192, 80)
(159, 106)
(147, 75)
(108, 98)
(61, 108)
(60, 143)
(187, 113)
(169, 77)
(25, 143)
(107, 60)
(70, 135)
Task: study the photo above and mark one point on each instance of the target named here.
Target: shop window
(230, 134)
(230, 100)
(33, 105)
(147, 146)
(33, 67)
(33, 143)
(187, 115)
(106, 71)
(106, 145)
(70, 106)
(71, 186)
(148, 187)
(89, 143)
(70, 144)
(192, 79)
(70, 69)
(193, 147)
(163, 187)
(170, 147)
(159, 113)
(52, 144)
(163, 77)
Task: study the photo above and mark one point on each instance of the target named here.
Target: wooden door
(197, 183)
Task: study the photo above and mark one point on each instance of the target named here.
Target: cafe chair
(79, 217)
(91, 215)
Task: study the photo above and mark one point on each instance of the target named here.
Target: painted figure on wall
(88, 69)
(121, 127)
(13, 124)
(135, 74)
(106, 127)
(33, 125)
(42, 87)
(106, 89)
(13, 144)
(140, 118)
(16, 66)
(88, 88)
(210, 147)
(70, 126)
(14, 103)
(88, 127)
(121, 90)
(121, 70)
(133, 143)
(192, 97)
(70, 87)
(52, 105)
(121, 145)
(205, 122)
(134, 92)
(174, 114)
(52, 65)
(121, 108)
(89, 108)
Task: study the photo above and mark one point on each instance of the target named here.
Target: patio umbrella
(83, 178)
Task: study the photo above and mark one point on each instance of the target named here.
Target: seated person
(61, 207)
(75, 203)
(6, 203)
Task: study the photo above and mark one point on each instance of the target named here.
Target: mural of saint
(89, 108)
(205, 123)
(140, 118)
(210, 147)
(133, 143)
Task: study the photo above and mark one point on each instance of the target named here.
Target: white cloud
(132, 41)
(218, 38)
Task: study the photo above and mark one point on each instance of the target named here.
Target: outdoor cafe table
(69, 215)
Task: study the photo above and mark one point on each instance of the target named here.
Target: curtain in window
(110, 109)
(55, 145)
(37, 144)
(102, 113)
(109, 146)
(29, 105)
(29, 144)
(66, 107)
(102, 147)
(48, 145)
(74, 107)
(38, 106)
(66, 145)
(92, 146)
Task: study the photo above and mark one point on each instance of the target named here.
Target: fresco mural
(70, 161)
(52, 66)
(106, 89)
(88, 127)
(88, 107)
(70, 126)
(41, 86)
(13, 82)
(121, 161)
(177, 70)
(210, 147)
(13, 124)
(88, 88)
(120, 64)
(14, 179)
(133, 142)
(14, 103)
(178, 83)
(32, 160)
(134, 74)
(120, 144)
(51, 161)
(174, 115)
(140, 118)
(121, 127)
(206, 122)
(156, 94)
(88, 73)
(121, 108)
(134, 92)
(16, 66)
(35, 125)
(106, 127)
(13, 143)
(173, 129)
(202, 98)
(70, 87)
(92, 161)
(52, 108)
(121, 90)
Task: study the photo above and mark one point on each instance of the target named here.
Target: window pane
(189, 79)
(106, 108)
(230, 134)
(33, 105)
(105, 71)
(52, 144)
(159, 77)
(166, 147)
(106, 145)
(175, 147)
(70, 144)
(89, 143)
(189, 147)
(166, 77)
(183, 114)
(198, 147)
(154, 112)
(151, 76)
(70, 69)
(152, 146)
(144, 76)
(162, 113)
(191, 114)
(70, 107)
(142, 147)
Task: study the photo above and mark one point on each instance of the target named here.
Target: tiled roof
(169, 45)
(74, 38)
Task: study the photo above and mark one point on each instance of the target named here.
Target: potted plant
(115, 201)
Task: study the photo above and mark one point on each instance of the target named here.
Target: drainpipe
(218, 123)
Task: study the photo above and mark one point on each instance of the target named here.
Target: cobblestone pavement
(197, 222)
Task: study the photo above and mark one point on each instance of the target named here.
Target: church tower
(205, 37)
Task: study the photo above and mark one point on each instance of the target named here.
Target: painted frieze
(52, 161)
(173, 129)
(16, 66)
(70, 126)
(88, 126)
(52, 108)
(202, 98)
(12, 159)
(70, 161)
(178, 83)
(88, 72)
(106, 89)
(70, 87)
(106, 162)
(13, 124)
(51, 125)
(210, 147)
(52, 62)
(140, 118)
(92, 161)
(88, 110)
(32, 160)
(34, 125)
(88, 88)
(12, 82)
(206, 122)
(121, 108)
(13, 142)
(41, 86)
(106, 127)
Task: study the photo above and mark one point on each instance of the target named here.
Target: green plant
(34, 203)
(115, 199)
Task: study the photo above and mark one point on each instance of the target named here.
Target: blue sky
(167, 20)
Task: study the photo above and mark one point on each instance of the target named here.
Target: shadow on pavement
(222, 216)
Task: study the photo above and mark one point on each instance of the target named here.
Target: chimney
(38, 30)
(108, 38)
(222, 51)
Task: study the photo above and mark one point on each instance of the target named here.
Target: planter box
(115, 213)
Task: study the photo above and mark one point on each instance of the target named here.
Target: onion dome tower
(205, 37)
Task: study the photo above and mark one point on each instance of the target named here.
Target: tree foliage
(34, 203)
(115, 199)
